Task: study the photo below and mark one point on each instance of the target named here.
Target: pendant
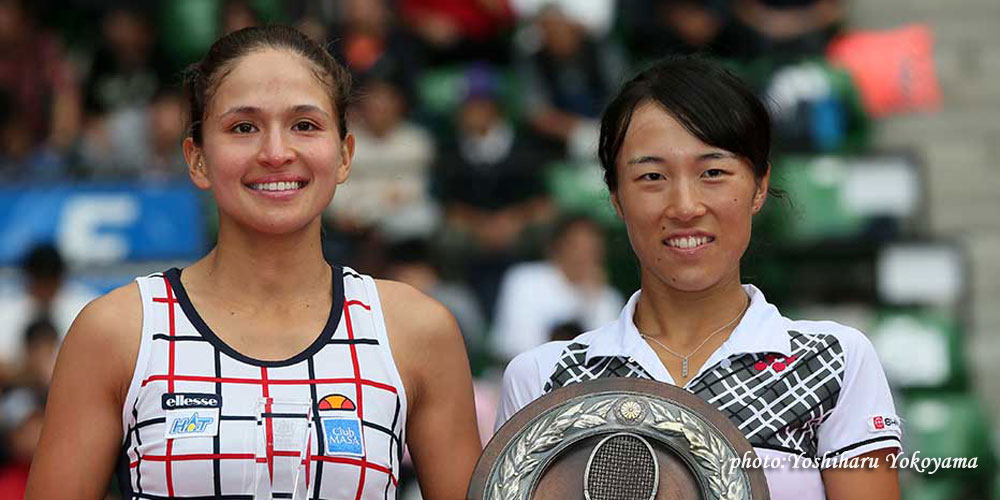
(684, 367)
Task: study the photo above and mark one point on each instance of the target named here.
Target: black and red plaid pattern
(775, 409)
(180, 354)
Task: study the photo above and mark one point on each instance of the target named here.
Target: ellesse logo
(178, 400)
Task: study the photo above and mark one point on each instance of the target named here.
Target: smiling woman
(685, 148)
(261, 371)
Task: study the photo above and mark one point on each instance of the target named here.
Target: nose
(684, 202)
(275, 150)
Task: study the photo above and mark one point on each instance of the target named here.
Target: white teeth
(277, 186)
(688, 242)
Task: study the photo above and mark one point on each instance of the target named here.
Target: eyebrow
(301, 108)
(645, 159)
(715, 155)
(711, 155)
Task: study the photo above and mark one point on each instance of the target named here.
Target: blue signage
(103, 223)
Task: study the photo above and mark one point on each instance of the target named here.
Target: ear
(761, 194)
(346, 156)
(195, 158)
(616, 202)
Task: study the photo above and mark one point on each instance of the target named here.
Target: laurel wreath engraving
(522, 457)
(725, 479)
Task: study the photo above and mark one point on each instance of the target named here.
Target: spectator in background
(21, 412)
(126, 76)
(372, 46)
(46, 294)
(389, 180)
(136, 142)
(491, 173)
(537, 298)
(126, 70)
(41, 92)
(489, 179)
(654, 28)
(21, 158)
(40, 344)
(411, 264)
(567, 80)
(787, 28)
(460, 30)
(596, 16)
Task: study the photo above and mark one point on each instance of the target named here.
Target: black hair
(44, 261)
(710, 102)
(202, 78)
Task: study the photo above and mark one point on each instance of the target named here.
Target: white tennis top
(202, 420)
(799, 390)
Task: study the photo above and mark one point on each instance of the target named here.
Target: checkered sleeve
(864, 419)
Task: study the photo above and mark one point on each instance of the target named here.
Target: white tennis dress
(202, 420)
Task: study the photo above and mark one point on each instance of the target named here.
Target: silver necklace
(684, 359)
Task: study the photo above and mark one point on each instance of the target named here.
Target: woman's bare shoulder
(116, 313)
(108, 328)
(413, 313)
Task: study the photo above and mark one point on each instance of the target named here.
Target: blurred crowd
(472, 117)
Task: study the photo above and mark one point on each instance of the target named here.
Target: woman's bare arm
(441, 426)
(874, 483)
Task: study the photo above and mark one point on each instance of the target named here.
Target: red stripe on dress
(357, 303)
(278, 453)
(170, 301)
(234, 380)
(358, 391)
(268, 424)
(358, 462)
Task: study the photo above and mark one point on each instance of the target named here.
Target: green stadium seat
(580, 188)
(949, 424)
(188, 28)
(933, 357)
(839, 198)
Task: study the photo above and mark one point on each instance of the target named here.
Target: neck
(259, 269)
(682, 320)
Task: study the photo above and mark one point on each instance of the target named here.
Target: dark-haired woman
(685, 150)
(261, 371)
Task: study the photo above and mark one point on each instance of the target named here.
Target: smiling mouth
(278, 186)
(686, 242)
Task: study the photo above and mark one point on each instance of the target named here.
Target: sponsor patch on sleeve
(343, 436)
(879, 423)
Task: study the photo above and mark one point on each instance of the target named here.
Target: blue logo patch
(191, 425)
(343, 436)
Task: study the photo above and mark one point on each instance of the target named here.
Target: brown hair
(203, 78)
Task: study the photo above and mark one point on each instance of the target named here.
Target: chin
(690, 280)
(279, 225)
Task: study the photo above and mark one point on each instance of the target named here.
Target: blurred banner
(102, 223)
(893, 69)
